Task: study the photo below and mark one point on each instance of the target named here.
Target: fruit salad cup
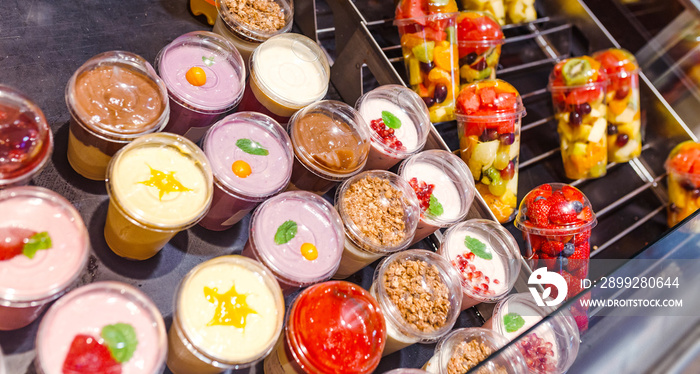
(489, 114)
(624, 123)
(578, 87)
(429, 45)
(683, 181)
(479, 39)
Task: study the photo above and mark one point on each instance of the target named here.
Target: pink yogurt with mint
(28, 284)
(194, 108)
(239, 141)
(87, 310)
(294, 263)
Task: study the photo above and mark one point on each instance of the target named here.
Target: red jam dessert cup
(683, 181)
(479, 39)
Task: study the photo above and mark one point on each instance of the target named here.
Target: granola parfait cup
(486, 257)
(463, 349)
(479, 44)
(398, 124)
(380, 213)
(419, 293)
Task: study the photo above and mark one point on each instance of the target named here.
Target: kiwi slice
(577, 71)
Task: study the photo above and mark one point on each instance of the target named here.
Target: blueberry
(578, 207)
(562, 262)
(568, 250)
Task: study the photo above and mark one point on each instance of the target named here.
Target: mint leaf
(477, 247)
(390, 120)
(286, 232)
(121, 340)
(513, 322)
(252, 147)
(36, 242)
(434, 206)
(209, 61)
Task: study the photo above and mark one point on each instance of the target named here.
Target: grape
(621, 140)
(622, 92)
(426, 67)
(481, 65)
(440, 93)
(612, 129)
(509, 172)
(497, 187)
(507, 139)
(429, 101)
(501, 161)
(575, 118)
(584, 108)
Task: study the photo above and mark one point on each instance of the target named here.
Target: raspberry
(387, 134)
(12, 240)
(86, 355)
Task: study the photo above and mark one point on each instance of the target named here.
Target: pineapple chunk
(598, 130)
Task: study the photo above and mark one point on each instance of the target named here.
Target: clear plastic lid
(577, 72)
(555, 209)
(489, 101)
(462, 347)
(682, 160)
(422, 10)
(258, 29)
(219, 72)
(477, 28)
(617, 63)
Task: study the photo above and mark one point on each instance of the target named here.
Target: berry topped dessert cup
(429, 45)
(578, 86)
(489, 115)
(398, 124)
(683, 167)
(26, 141)
(624, 120)
(479, 38)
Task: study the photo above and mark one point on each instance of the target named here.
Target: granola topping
(260, 15)
(469, 354)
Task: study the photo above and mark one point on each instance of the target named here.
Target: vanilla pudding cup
(299, 236)
(360, 247)
(27, 284)
(228, 314)
(486, 256)
(452, 194)
(158, 185)
(205, 78)
(444, 294)
(287, 73)
(113, 98)
(93, 309)
(251, 157)
(409, 124)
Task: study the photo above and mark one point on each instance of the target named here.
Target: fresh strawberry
(544, 190)
(582, 272)
(547, 260)
(562, 212)
(582, 237)
(538, 212)
(552, 248)
(580, 257)
(87, 355)
(573, 284)
(12, 240)
(571, 193)
(581, 322)
(586, 215)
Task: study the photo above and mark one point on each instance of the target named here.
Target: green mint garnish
(252, 147)
(513, 322)
(477, 247)
(390, 120)
(434, 206)
(121, 341)
(35, 243)
(209, 61)
(286, 232)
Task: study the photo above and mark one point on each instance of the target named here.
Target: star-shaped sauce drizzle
(231, 307)
(164, 182)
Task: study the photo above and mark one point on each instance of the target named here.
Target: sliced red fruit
(467, 102)
(87, 356)
(12, 240)
(487, 95)
(505, 100)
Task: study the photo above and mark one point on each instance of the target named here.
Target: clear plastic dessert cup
(487, 258)
(298, 235)
(489, 115)
(429, 280)
(578, 86)
(406, 131)
(246, 37)
(331, 143)
(251, 157)
(45, 246)
(287, 73)
(103, 316)
(553, 345)
(380, 214)
(457, 351)
(228, 314)
(113, 98)
(332, 327)
(444, 186)
(158, 185)
(205, 77)
(479, 45)
(26, 140)
(683, 181)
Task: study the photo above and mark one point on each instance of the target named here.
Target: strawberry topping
(87, 355)
(12, 241)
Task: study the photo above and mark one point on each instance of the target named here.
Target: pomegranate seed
(387, 135)
(496, 281)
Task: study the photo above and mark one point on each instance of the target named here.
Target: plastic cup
(489, 142)
(287, 73)
(26, 141)
(683, 185)
(87, 311)
(158, 185)
(558, 335)
(622, 98)
(331, 143)
(113, 98)
(362, 246)
(479, 46)
(228, 314)
(215, 85)
(487, 274)
(244, 173)
(453, 190)
(580, 110)
(28, 285)
(246, 37)
(450, 351)
(312, 255)
(420, 285)
(391, 145)
(332, 327)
